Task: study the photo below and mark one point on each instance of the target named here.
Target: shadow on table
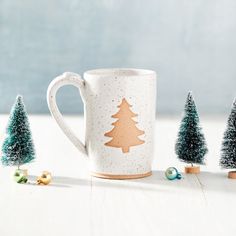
(157, 182)
(32, 182)
(219, 182)
(206, 181)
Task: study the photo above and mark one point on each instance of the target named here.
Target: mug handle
(67, 78)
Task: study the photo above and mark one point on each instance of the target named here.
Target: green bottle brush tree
(228, 150)
(190, 145)
(18, 147)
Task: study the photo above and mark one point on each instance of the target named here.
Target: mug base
(111, 176)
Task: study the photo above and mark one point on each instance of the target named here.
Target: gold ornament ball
(45, 178)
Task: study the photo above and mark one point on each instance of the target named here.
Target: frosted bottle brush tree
(190, 145)
(18, 147)
(228, 150)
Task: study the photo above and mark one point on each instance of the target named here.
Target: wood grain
(77, 204)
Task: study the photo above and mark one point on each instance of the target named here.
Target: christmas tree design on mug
(125, 133)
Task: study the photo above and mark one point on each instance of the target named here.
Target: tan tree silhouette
(125, 133)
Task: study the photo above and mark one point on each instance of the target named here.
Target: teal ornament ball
(172, 173)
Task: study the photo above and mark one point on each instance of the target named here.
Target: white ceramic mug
(120, 116)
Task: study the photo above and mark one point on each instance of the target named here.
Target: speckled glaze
(102, 91)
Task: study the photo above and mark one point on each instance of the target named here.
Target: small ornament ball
(45, 178)
(172, 173)
(20, 176)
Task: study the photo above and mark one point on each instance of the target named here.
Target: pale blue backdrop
(191, 44)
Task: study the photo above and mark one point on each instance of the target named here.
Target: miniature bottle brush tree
(228, 150)
(190, 145)
(18, 147)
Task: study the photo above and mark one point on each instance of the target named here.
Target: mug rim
(119, 72)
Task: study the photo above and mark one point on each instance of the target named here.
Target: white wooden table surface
(77, 204)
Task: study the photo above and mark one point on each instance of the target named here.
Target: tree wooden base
(23, 171)
(192, 169)
(232, 174)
